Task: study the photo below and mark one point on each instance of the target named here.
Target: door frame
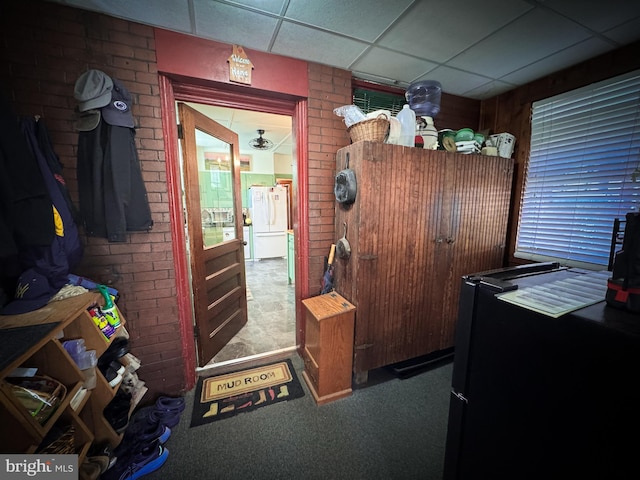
(173, 89)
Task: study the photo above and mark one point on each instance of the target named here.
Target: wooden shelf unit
(46, 329)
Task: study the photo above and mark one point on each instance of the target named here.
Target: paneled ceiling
(474, 48)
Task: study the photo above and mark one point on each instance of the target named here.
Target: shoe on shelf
(117, 411)
(111, 373)
(90, 470)
(132, 362)
(99, 451)
(118, 349)
(102, 461)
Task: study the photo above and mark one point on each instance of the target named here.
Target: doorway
(180, 89)
(266, 156)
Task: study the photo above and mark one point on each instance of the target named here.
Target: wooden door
(211, 171)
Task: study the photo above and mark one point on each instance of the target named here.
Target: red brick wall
(44, 48)
(328, 88)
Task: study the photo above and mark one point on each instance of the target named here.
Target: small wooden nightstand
(328, 351)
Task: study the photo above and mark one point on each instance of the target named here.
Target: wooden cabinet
(328, 351)
(421, 220)
(34, 340)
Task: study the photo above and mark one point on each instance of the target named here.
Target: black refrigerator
(542, 397)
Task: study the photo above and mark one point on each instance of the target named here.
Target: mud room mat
(223, 396)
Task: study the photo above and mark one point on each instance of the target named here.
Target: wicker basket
(373, 130)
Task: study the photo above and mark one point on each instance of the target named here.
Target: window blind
(585, 149)
(371, 100)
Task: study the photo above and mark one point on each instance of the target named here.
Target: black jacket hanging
(113, 197)
(25, 205)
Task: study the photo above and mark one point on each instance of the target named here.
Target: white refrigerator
(269, 214)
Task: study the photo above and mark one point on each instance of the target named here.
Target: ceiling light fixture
(261, 143)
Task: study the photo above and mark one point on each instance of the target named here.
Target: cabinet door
(393, 229)
(475, 216)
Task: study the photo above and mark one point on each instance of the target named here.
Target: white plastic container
(407, 118)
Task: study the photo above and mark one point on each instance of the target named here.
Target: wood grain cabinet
(328, 352)
(34, 340)
(421, 220)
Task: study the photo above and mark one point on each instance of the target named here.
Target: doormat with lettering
(224, 396)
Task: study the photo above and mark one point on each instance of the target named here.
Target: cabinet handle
(450, 240)
(439, 240)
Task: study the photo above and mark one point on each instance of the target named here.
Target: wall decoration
(240, 66)
(220, 161)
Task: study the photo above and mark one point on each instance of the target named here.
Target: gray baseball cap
(86, 121)
(93, 90)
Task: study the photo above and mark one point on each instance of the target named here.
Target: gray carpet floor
(390, 428)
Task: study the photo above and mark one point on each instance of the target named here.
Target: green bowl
(464, 135)
(478, 137)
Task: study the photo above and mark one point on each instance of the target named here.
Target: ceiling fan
(261, 143)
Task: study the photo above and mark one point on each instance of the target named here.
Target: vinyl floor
(271, 324)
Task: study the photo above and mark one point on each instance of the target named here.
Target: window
(585, 152)
(370, 100)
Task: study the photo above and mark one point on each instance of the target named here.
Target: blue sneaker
(170, 404)
(139, 464)
(140, 435)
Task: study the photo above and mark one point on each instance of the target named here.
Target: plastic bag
(351, 113)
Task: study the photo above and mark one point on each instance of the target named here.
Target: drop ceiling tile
(597, 15)
(272, 6)
(396, 66)
(626, 33)
(169, 14)
(361, 19)
(571, 56)
(439, 29)
(232, 24)
(453, 81)
(489, 90)
(318, 46)
(534, 36)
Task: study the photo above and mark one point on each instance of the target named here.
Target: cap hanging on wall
(118, 111)
(93, 90)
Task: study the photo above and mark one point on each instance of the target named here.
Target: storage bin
(86, 359)
(74, 347)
